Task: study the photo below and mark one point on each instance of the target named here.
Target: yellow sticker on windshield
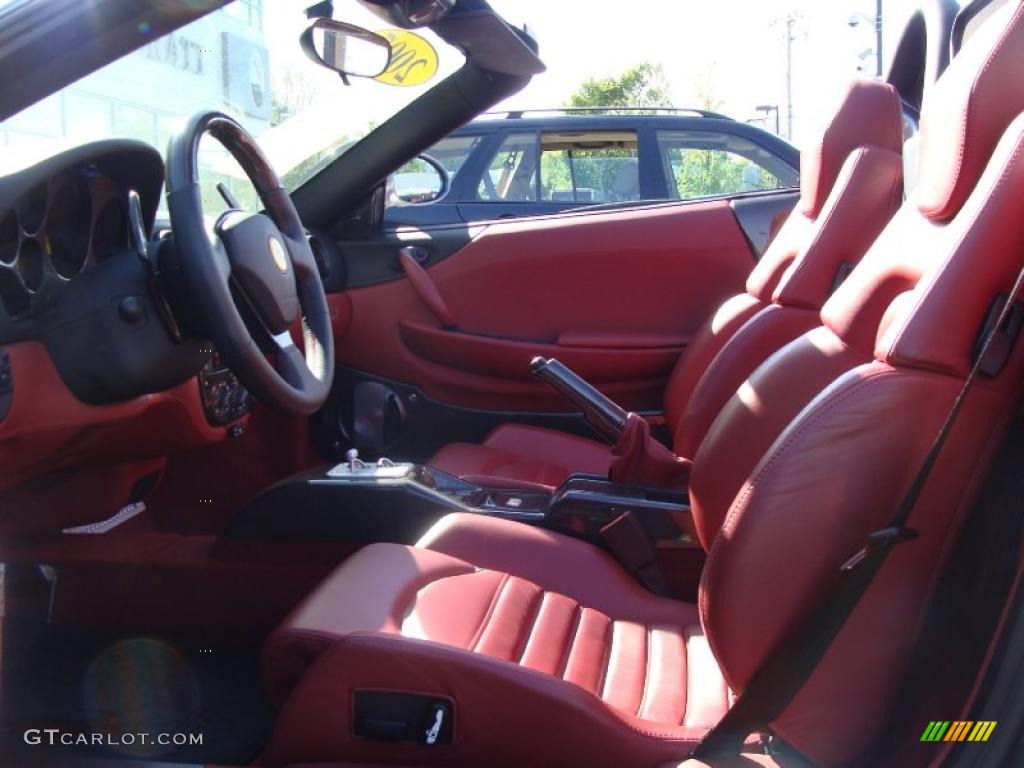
(413, 59)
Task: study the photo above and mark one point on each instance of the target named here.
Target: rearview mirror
(347, 49)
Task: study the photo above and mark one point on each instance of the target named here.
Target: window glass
(94, 115)
(704, 164)
(512, 173)
(242, 59)
(453, 151)
(598, 167)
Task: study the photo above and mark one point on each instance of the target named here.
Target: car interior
(712, 483)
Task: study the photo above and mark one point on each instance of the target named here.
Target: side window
(453, 151)
(705, 164)
(595, 167)
(512, 173)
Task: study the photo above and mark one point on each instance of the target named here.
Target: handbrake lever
(602, 414)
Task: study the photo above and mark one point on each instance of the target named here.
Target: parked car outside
(531, 163)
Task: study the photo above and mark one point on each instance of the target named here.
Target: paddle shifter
(600, 412)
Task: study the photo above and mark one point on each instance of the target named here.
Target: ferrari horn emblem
(278, 255)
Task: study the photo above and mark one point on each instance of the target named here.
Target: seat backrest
(850, 185)
(897, 342)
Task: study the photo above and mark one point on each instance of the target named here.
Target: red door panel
(509, 359)
(615, 294)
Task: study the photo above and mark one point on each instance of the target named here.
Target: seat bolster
(708, 342)
(549, 446)
(746, 760)
(387, 577)
(553, 562)
(503, 712)
(518, 455)
(761, 336)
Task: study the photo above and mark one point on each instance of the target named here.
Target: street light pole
(766, 108)
(789, 76)
(878, 36)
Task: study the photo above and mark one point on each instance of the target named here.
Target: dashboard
(89, 360)
(63, 216)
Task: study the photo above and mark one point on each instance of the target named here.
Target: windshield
(243, 59)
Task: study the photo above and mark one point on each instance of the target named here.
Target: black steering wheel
(255, 278)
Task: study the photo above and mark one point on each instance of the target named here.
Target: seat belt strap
(788, 668)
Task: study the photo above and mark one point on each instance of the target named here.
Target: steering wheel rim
(263, 262)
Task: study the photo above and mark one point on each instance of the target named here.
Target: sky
(736, 45)
(733, 48)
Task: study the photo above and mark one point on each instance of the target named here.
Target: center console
(364, 502)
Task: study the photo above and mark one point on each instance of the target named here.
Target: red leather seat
(552, 656)
(851, 183)
(522, 625)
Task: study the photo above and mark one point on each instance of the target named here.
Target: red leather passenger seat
(850, 185)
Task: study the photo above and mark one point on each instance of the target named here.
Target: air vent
(320, 254)
(15, 299)
(9, 238)
(67, 224)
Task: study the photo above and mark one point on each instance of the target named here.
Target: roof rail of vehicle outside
(515, 114)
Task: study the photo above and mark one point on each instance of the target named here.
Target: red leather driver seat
(850, 185)
(553, 656)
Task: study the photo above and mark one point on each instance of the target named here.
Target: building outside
(225, 62)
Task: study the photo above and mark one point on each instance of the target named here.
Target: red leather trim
(712, 336)
(554, 562)
(538, 279)
(314, 724)
(426, 289)
(606, 658)
(935, 325)
(48, 427)
(869, 115)
(760, 337)
(755, 416)
(785, 292)
(792, 236)
(642, 460)
(622, 340)
(967, 110)
(340, 307)
(745, 760)
(866, 194)
(824, 484)
(524, 456)
(510, 359)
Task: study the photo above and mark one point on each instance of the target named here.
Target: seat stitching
(831, 399)
(647, 671)
(609, 640)
(563, 665)
(937, 274)
(478, 636)
(521, 651)
(684, 635)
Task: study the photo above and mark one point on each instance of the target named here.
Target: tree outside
(644, 85)
(697, 171)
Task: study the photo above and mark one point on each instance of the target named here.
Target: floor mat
(126, 697)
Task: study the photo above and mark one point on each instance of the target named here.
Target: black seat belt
(781, 677)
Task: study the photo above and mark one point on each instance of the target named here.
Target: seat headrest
(868, 116)
(967, 111)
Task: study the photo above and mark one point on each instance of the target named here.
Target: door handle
(425, 287)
